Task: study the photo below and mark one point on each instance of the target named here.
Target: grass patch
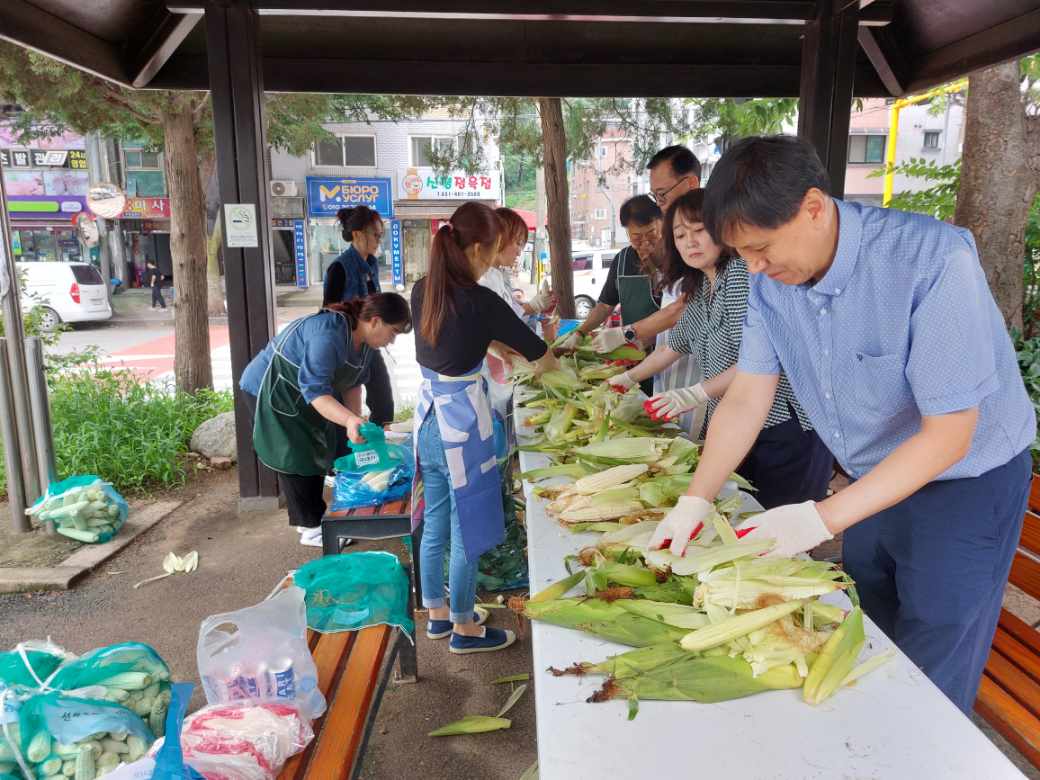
(129, 432)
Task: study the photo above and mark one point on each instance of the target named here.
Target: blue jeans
(441, 528)
(931, 571)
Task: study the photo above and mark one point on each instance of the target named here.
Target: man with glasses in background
(647, 314)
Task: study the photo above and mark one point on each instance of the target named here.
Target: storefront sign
(146, 208)
(44, 158)
(300, 252)
(396, 255)
(429, 184)
(326, 196)
(45, 206)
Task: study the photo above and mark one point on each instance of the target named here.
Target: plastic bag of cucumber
(84, 508)
(81, 717)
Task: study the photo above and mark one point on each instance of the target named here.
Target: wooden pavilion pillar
(237, 91)
(829, 48)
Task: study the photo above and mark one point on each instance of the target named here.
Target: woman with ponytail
(290, 388)
(454, 441)
(355, 274)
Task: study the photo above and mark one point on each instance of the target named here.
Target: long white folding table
(893, 723)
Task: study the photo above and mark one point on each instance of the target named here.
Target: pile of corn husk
(717, 623)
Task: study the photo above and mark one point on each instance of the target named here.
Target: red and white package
(243, 740)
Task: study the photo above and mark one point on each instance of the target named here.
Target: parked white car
(590, 267)
(67, 292)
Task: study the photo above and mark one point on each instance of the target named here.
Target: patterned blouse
(711, 327)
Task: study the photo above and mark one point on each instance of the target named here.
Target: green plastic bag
(44, 658)
(375, 454)
(97, 666)
(351, 591)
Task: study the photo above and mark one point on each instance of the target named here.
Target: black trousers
(157, 299)
(303, 494)
(379, 396)
(788, 465)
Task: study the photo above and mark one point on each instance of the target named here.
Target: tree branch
(115, 98)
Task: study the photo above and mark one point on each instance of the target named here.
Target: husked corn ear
(836, 660)
(737, 626)
(612, 477)
(603, 512)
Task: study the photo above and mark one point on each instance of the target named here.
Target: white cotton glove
(797, 528)
(542, 301)
(572, 341)
(608, 340)
(672, 403)
(680, 523)
(623, 380)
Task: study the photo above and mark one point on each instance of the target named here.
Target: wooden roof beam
(789, 12)
(885, 59)
(161, 45)
(28, 26)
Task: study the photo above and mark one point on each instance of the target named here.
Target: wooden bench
(1009, 695)
(355, 666)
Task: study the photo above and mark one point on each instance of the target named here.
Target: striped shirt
(711, 328)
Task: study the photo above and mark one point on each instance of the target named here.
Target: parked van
(590, 267)
(67, 292)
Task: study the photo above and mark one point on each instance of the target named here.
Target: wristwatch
(629, 334)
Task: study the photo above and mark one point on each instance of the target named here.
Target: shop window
(359, 150)
(141, 158)
(145, 184)
(427, 149)
(866, 148)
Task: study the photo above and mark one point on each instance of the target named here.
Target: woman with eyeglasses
(788, 463)
(355, 274)
(290, 387)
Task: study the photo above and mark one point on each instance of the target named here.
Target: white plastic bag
(260, 653)
(242, 740)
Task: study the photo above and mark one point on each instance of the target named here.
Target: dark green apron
(288, 433)
(636, 294)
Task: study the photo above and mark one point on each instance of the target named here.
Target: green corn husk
(472, 724)
(622, 450)
(701, 559)
(626, 533)
(823, 613)
(663, 491)
(628, 575)
(620, 494)
(868, 666)
(599, 527)
(628, 664)
(558, 589)
(572, 470)
(603, 619)
(560, 422)
(737, 626)
(701, 679)
(836, 660)
(674, 590)
(670, 614)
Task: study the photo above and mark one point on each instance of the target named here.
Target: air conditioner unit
(281, 188)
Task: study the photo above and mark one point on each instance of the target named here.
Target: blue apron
(467, 429)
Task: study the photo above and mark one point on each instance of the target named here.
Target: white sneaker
(300, 528)
(311, 537)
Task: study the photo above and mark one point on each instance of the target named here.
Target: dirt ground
(240, 561)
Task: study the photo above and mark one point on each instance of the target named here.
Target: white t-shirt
(498, 281)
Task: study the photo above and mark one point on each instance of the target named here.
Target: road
(148, 350)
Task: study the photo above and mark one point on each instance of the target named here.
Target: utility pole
(96, 174)
(23, 474)
(110, 156)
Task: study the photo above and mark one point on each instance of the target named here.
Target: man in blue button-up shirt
(888, 332)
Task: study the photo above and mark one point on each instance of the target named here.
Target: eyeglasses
(658, 197)
(646, 237)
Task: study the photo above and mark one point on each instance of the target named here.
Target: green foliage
(126, 430)
(729, 119)
(939, 200)
(1028, 351)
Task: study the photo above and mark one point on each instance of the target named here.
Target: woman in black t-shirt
(454, 434)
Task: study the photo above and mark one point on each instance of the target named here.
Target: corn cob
(836, 660)
(609, 478)
(737, 626)
(605, 512)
